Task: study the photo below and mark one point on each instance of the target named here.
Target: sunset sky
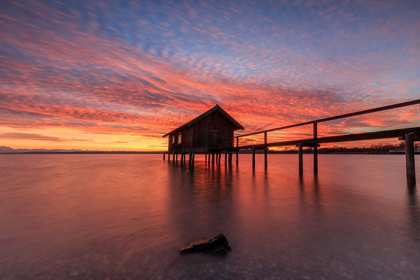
(117, 75)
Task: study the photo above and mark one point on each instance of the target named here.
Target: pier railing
(409, 135)
(315, 128)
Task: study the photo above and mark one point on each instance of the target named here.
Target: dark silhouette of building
(211, 130)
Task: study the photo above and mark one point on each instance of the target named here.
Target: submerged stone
(217, 245)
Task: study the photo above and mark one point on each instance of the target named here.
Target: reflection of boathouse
(211, 130)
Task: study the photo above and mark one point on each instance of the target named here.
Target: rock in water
(217, 244)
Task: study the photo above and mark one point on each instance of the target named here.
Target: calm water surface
(127, 216)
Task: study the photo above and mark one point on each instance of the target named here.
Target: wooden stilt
(212, 158)
(193, 158)
(237, 157)
(315, 132)
(173, 156)
(169, 157)
(253, 158)
(300, 159)
(230, 158)
(265, 151)
(176, 157)
(225, 157)
(205, 158)
(265, 158)
(164, 154)
(409, 160)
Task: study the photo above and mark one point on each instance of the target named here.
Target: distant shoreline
(242, 152)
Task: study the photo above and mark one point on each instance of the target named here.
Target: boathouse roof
(205, 114)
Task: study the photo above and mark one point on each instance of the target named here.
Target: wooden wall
(213, 131)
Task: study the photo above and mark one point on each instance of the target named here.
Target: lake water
(127, 216)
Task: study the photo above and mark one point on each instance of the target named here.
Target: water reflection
(127, 216)
(413, 214)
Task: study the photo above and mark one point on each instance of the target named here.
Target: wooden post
(169, 157)
(212, 158)
(253, 158)
(300, 159)
(225, 157)
(176, 157)
(265, 151)
(230, 158)
(409, 160)
(316, 148)
(173, 156)
(237, 142)
(265, 158)
(205, 158)
(193, 158)
(237, 157)
(208, 158)
(164, 154)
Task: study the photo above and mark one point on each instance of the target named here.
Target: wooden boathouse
(209, 132)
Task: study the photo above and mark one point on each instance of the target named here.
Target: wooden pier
(409, 135)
